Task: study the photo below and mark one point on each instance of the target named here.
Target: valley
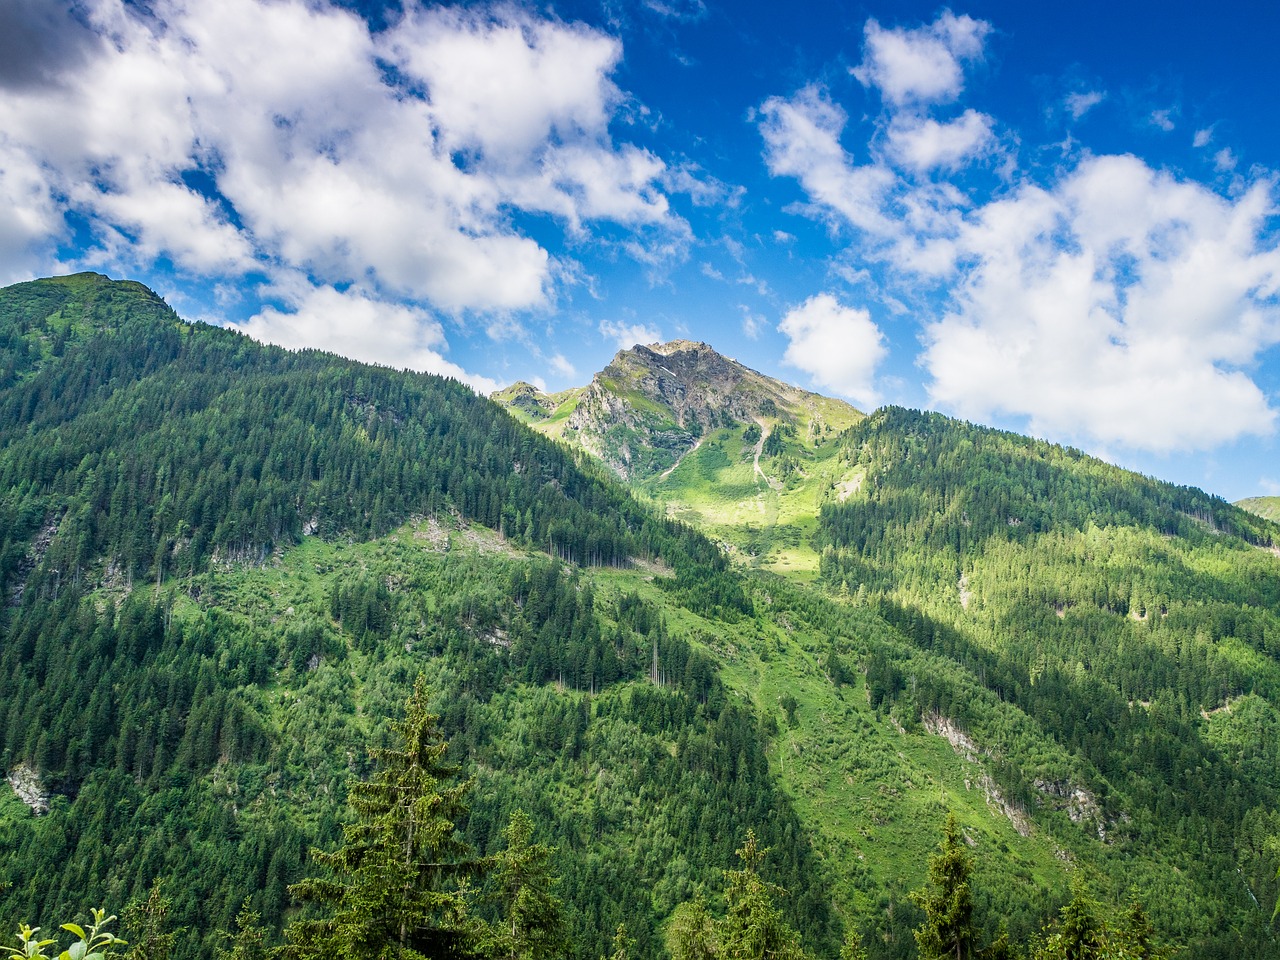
(681, 603)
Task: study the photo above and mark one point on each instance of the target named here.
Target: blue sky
(1058, 218)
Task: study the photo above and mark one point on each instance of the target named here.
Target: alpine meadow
(304, 657)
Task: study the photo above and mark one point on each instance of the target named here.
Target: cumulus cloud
(924, 65)
(925, 144)
(1120, 306)
(249, 136)
(802, 140)
(1114, 305)
(839, 347)
(356, 324)
(628, 335)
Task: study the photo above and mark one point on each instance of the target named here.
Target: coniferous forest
(302, 657)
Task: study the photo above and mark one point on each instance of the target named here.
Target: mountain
(224, 564)
(743, 457)
(1268, 507)
(653, 405)
(1128, 622)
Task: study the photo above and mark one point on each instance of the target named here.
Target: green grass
(768, 528)
(1266, 507)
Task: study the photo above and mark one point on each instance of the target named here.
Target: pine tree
(533, 925)
(398, 887)
(947, 932)
(753, 928)
(852, 948)
(147, 923)
(691, 934)
(249, 942)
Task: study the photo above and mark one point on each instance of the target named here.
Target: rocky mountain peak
(653, 402)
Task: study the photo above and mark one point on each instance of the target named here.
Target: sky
(1059, 219)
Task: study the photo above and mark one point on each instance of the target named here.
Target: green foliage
(532, 925)
(95, 943)
(1081, 932)
(752, 928)
(852, 948)
(948, 928)
(396, 888)
(147, 922)
(249, 941)
(692, 933)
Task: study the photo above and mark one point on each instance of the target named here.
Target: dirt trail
(764, 435)
(667, 472)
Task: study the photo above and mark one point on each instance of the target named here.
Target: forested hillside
(149, 466)
(225, 565)
(1136, 623)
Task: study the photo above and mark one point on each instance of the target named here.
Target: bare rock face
(653, 403)
(26, 783)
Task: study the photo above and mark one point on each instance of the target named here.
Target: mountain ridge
(234, 559)
(651, 405)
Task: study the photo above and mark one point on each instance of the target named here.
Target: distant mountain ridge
(1266, 507)
(653, 404)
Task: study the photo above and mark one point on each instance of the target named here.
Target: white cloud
(249, 135)
(925, 144)
(1080, 103)
(922, 65)
(753, 324)
(702, 188)
(802, 140)
(1202, 138)
(628, 335)
(1162, 119)
(1120, 306)
(840, 347)
(1116, 305)
(562, 366)
(356, 324)
(1224, 160)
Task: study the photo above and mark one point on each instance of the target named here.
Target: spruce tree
(397, 888)
(947, 932)
(533, 925)
(691, 933)
(753, 928)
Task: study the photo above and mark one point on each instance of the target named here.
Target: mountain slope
(1266, 507)
(205, 625)
(1132, 624)
(746, 458)
(226, 563)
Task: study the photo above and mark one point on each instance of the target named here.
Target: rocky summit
(652, 405)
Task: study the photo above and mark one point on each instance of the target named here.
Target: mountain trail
(764, 435)
(679, 460)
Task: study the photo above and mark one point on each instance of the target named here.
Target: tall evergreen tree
(753, 928)
(947, 932)
(398, 885)
(532, 926)
(691, 933)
